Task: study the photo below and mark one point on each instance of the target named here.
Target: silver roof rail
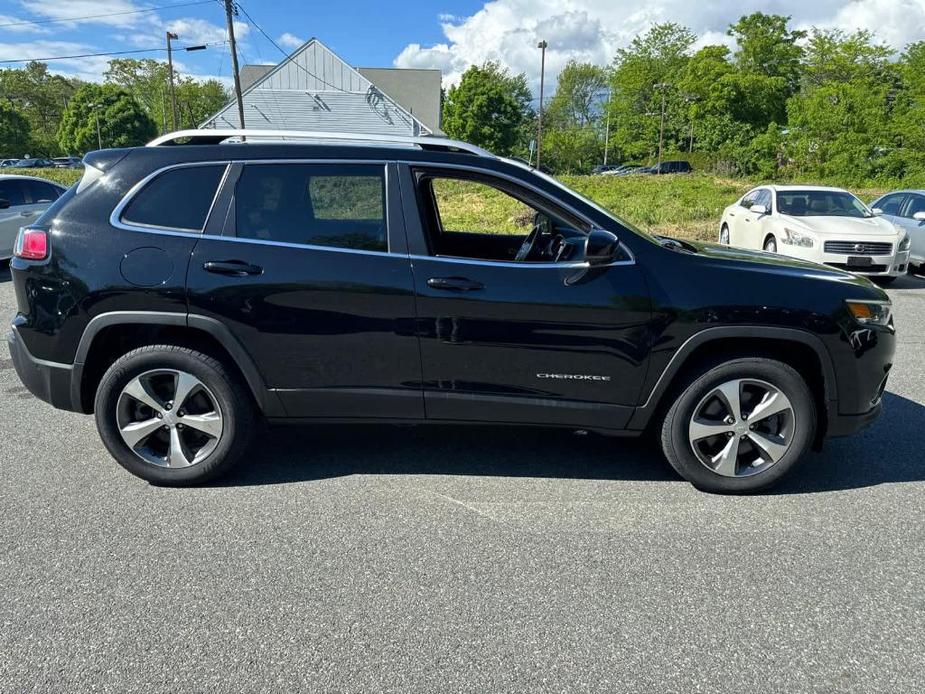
(217, 136)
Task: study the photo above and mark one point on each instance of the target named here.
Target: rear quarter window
(176, 199)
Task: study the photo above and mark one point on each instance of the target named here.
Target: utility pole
(607, 135)
(173, 89)
(229, 17)
(539, 123)
(661, 86)
(96, 112)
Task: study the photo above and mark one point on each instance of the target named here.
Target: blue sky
(446, 34)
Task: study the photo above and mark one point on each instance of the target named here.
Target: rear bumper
(46, 380)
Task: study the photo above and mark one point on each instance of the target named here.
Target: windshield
(821, 203)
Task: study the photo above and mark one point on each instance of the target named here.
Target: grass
(685, 206)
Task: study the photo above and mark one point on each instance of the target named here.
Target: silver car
(22, 200)
(906, 209)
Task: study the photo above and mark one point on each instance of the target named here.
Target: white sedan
(825, 225)
(22, 200)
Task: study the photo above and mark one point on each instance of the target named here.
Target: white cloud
(593, 30)
(288, 40)
(108, 12)
(197, 31)
(19, 25)
(90, 69)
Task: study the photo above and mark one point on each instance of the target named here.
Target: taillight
(31, 244)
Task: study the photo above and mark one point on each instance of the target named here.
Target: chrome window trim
(115, 218)
(536, 190)
(116, 221)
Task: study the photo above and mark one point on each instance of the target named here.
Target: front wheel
(740, 426)
(724, 235)
(770, 245)
(172, 415)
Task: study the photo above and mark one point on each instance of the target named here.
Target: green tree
(41, 98)
(122, 121)
(488, 108)
(148, 81)
(572, 138)
(767, 46)
(15, 140)
(645, 73)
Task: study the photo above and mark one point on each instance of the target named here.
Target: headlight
(797, 238)
(870, 312)
(905, 243)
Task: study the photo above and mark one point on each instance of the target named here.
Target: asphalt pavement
(472, 559)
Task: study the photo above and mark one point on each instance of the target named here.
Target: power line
(99, 16)
(96, 55)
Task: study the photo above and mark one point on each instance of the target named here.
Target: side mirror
(4, 204)
(919, 216)
(601, 247)
(877, 211)
(758, 209)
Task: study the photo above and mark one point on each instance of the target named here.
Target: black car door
(310, 272)
(551, 342)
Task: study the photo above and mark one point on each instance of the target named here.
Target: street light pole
(229, 18)
(99, 136)
(539, 123)
(173, 89)
(661, 86)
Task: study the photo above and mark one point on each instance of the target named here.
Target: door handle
(232, 268)
(454, 284)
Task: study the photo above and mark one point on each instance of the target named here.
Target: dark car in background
(186, 288)
(33, 164)
(67, 162)
(668, 167)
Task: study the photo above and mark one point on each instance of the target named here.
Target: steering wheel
(526, 248)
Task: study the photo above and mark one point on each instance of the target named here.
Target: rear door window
(11, 191)
(40, 192)
(338, 205)
(178, 199)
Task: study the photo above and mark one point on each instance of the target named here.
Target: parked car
(906, 209)
(67, 162)
(825, 225)
(195, 287)
(33, 164)
(4, 163)
(668, 167)
(22, 200)
(604, 169)
(622, 170)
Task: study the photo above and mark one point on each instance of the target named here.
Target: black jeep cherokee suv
(183, 289)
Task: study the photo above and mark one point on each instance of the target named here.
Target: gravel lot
(470, 559)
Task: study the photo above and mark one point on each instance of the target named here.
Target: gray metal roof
(418, 91)
(314, 89)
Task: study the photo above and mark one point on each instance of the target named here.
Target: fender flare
(646, 410)
(265, 398)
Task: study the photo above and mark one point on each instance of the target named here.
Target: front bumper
(46, 380)
(848, 424)
(892, 265)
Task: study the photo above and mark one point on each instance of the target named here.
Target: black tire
(770, 244)
(234, 403)
(724, 230)
(676, 443)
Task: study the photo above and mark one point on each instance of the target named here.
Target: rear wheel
(740, 426)
(770, 244)
(172, 415)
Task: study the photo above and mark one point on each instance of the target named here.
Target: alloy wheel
(724, 235)
(742, 427)
(169, 418)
